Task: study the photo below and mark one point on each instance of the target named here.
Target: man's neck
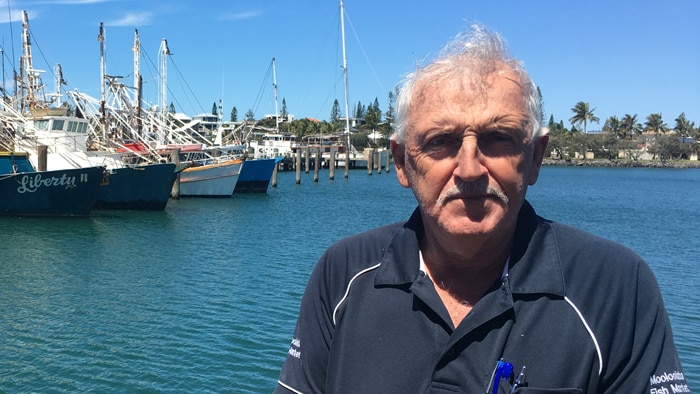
(462, 272)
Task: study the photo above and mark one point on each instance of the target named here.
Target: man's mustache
(471, 189)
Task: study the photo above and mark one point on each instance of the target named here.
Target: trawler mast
(347, 103)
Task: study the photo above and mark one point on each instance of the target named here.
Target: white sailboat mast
(27, 71)
(103, 114)
(137, 60)
(218, 139)
(347, 101)
(58, 97)
(164, 52)
(137, 80)
(274, 84)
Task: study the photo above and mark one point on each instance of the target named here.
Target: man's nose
(470, 166)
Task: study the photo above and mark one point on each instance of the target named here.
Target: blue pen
(519, 380)
(503, 370)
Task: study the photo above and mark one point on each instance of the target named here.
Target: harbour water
(203, 296)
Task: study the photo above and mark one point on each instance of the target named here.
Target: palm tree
(613, 126)
(683, 127)
(583, 114)
(656, 124)
(630, 125)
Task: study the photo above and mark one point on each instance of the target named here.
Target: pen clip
(519, 381)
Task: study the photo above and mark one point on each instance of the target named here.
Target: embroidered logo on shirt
(295, 349)
(675, 381)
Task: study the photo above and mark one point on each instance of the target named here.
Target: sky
(622, 57)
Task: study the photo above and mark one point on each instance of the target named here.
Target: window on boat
(42, 124)
(57, 124)
(72, 126)
(82, 127)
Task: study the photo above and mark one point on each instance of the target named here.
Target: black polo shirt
(582, 314)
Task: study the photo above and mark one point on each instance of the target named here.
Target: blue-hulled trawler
(26, 192)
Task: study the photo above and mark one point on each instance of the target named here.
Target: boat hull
(137, 188)
(211, 180)
(71, 192)
(255, 175)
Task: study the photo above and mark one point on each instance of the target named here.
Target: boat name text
(32, 183)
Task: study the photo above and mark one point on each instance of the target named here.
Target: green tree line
(626, 137)
(620, 137)
(375, 119)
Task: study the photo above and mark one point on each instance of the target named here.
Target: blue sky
(637, 57)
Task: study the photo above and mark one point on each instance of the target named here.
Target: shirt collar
(424, 269)
(533, 267)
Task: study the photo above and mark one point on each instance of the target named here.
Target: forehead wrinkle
(507, 120)
(445, 87)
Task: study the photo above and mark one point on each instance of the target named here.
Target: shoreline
(622, 163)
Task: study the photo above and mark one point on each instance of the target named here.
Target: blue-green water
(203, 296)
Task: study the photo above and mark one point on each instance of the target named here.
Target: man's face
(468, 156)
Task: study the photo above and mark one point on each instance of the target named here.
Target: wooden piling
(175, 158)
(42, 153)
(388, 159)
(298, 166)
(369, 154)
(274, 174)
(317, 164)
(308, 160)
(331, 166)
(377, 160)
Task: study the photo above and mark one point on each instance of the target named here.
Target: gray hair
(474, 54)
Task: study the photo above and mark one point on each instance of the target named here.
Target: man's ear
(539, 148)
(398, 150)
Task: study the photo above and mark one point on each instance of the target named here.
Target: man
(475, 293)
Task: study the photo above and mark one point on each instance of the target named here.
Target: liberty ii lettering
(31, 183)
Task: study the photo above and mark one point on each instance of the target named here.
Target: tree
(556, 128)
(683, 126)
(612, 126)
(171, 108)
(335, 112)
(610, 147)
(359, 140)
(234, 114)
(630, 125)
(389, 114)
(300, 127)
(583, 114)
(213, 109)
(283, 114)
(249, 115)
(373, 115)
(656, 124)
(669, 148)
(539, 93)
(360, 110)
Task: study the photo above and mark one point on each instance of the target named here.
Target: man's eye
(497, 136)
(437, 141)
(440, 140)
(499, 143)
